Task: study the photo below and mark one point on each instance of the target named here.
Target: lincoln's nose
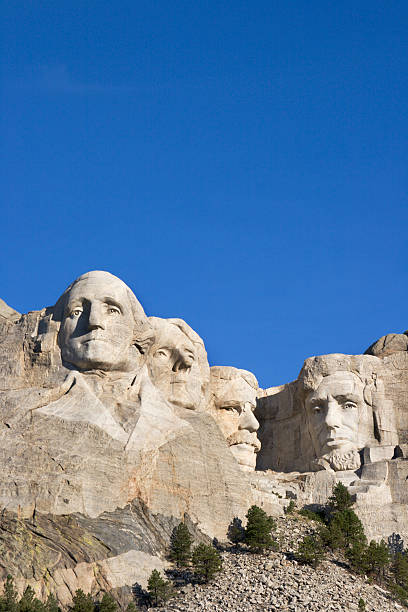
(95, 319)
(247, 419)
(333, 415)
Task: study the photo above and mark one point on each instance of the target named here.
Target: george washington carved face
(99, 318)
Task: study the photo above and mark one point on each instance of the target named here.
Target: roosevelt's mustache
(243, 436)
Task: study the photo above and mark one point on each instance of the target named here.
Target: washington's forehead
(100, 288)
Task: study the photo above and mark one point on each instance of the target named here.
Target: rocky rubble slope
(251, 583)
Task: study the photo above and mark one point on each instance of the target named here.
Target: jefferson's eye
(349, 405)
(160, 353)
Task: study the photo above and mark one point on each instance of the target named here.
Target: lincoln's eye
(349, 405)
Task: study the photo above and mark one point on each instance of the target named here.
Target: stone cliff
(114, 427)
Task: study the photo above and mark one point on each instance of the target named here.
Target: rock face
(85, 434)
(114, 428)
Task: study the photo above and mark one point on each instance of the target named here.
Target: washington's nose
(248, 420)
(95, 320)
(333, 414)
(182, 360)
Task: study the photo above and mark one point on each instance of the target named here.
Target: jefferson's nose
(247, 419)
(333, 416)
(182, 360)
(95, 319)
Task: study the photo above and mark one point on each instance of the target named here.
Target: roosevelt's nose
(333, 414)
(247, 419)
(95, 318)
(183, 360)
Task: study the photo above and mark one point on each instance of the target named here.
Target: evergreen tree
(395, 544)
(51, 604)
(311, 551)
(206, 562)
(29, 602)
(356, 557)
(108, 604)
(290, 508)
(400, 569)
(160, 590)
(180, 545)
(345, 529)
(340, 499)
(82, 602)
(131, 607)
(236, 532)
(8, 603)
(377, 559)
(258, 530)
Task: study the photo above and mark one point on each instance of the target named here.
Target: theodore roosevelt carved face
(234, 394)
(100, 321)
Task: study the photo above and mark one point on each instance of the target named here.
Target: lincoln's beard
(338, 461)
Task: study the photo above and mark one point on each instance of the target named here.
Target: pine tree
(236, 532)
(258, 530)
(340, 499)
(108, 604)
(160, 590)
(180, 545)
(51, 604)
(8, 603)
(377, 559)
(311, 551)
(82, 602)
(131, 607)
(356, 557)
(345, 529)
(206, 562)
(400, 569)
(395, 544)
(29, 602)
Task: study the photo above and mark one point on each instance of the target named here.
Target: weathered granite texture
(113, 427)
(234, 394)
(85, 432)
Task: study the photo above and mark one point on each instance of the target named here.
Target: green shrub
(361, 605)
(82, 602)
(236, 532)
(290, 508)
(180, 545)
(312, 516)
(258, 530)
(108, 604)
(159, 590)
(206, 562)
(311, 551)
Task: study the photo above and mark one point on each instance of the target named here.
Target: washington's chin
(245, 456)
(93, 357)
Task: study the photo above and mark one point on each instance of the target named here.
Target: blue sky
(241, 165)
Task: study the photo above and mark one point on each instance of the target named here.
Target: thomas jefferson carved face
(178, 364)
(97, 327)
(234, 392)
(338, 416)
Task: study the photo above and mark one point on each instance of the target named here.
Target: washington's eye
(76, 312)
(349, 405)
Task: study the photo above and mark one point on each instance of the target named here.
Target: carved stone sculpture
(234, 394)
(345, 410)
(177, 363)
(92, 451)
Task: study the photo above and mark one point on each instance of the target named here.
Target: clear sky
(241, 165)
